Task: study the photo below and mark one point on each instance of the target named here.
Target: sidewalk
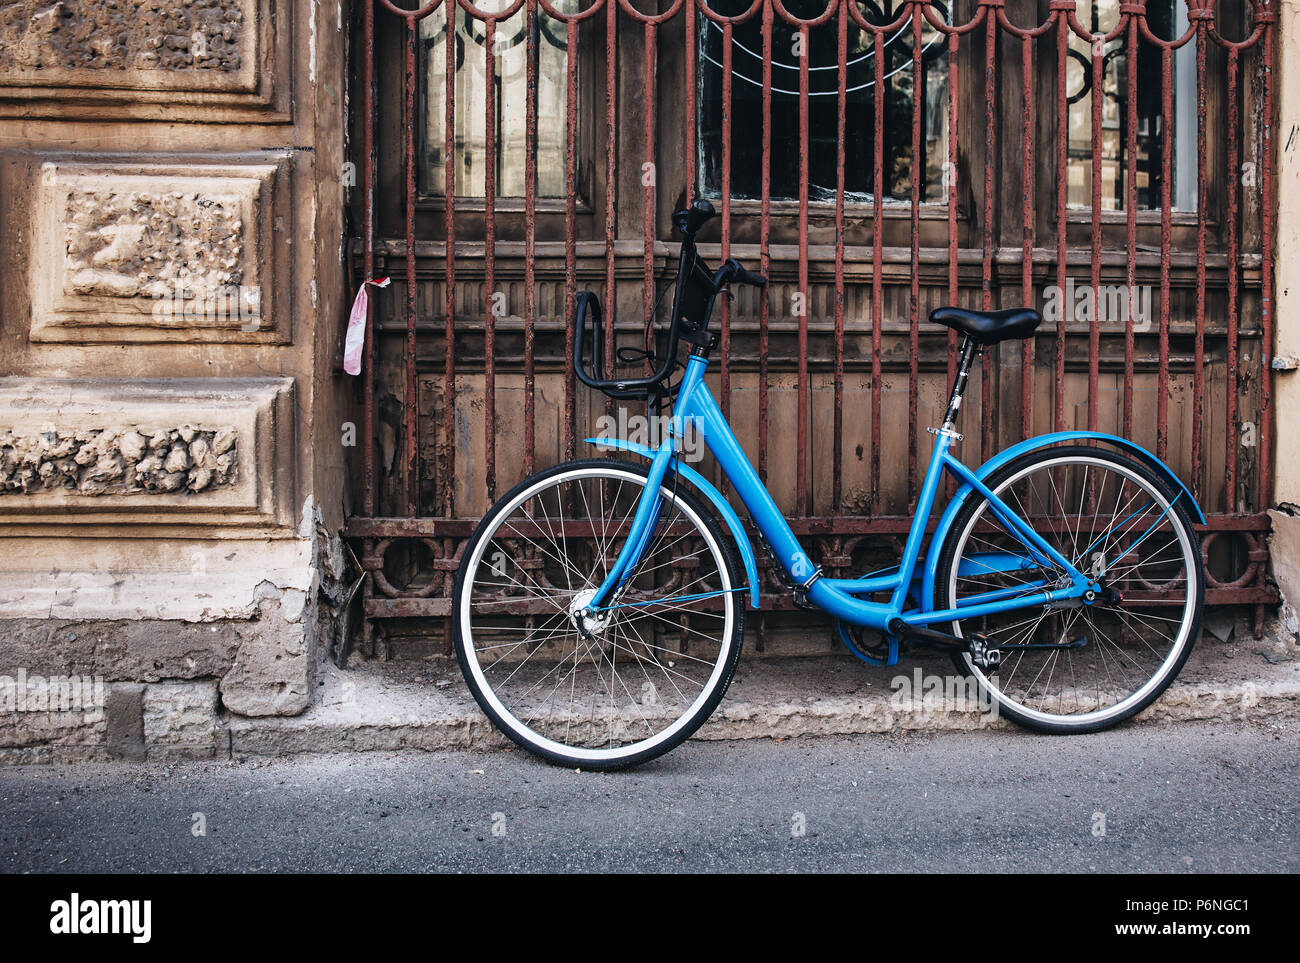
(425, 704)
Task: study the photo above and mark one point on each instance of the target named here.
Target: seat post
(968, 352)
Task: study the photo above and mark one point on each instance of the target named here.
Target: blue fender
(1159, 468)
(703, 485)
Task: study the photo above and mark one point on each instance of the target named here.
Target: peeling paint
(311, 58)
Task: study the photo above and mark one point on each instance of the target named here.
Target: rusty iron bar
(530, 235)
(1202, 201)
(649, 177)
(914, 294)
(877, 262)
(1132, 10)
(1062, 9)
(802, 505)
(842, 81)
(1166, 235)
(1234, 268)
(409, 418)
(400, 526)
(1027, 228)
(570, 230)
(765, 241)
(692, 118)
(986, 280)
(1265, 16)
(368, 254)
(490, 260)
(1094, 316)
(448, 450)
(611, 178)
(951, 190)
(724, 343)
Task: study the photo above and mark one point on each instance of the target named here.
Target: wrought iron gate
(875, 160)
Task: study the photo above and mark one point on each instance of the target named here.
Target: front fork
(644, 524)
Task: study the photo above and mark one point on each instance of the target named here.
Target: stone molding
(127, 460)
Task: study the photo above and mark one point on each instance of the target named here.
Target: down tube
(700, 407)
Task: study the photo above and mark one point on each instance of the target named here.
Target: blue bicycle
(599, 607)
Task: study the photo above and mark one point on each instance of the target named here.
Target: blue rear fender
(1159, 468)
(705, 487)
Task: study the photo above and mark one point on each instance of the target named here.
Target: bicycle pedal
(982, 651)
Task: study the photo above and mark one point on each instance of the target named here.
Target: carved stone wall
(146, 451)
(136, 53)
(126, 461)
(150, 242)
(131, 251)
(171, 315)
(49, 43)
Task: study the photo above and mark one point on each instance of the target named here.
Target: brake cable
(630, 356)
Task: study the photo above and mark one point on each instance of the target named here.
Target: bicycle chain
(799, 592)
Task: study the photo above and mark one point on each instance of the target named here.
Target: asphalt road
(1186, 798)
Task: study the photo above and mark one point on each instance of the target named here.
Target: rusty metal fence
(875, 160)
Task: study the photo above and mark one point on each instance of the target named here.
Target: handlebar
(733, 270)
(588, 305)
(696, 289)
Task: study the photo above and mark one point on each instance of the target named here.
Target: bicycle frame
(839, 597)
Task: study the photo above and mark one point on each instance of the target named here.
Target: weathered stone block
(180, 718)
(138, 251)
(274, 670)
(124, 715)
(112, 461)
(143, 43)
(144, 650)
(18, 729)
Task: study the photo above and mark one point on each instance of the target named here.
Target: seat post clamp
(947, 432)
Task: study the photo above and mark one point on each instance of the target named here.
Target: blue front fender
(703, 485)
(1033, 444)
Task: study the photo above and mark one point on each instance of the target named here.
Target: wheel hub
(587, 623)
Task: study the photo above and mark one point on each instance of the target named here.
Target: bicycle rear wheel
(1090, 665)
(614, 687)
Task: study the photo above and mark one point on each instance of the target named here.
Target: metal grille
(829, 387)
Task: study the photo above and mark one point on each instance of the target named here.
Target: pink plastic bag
(356, 338)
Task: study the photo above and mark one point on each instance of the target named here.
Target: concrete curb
(399, 706)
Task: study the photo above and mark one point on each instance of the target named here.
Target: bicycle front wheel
(613, 687)
(1077, 665)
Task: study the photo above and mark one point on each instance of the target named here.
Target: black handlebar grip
(751, 277)
(694, 217)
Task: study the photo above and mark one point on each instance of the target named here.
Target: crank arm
(927, 636)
